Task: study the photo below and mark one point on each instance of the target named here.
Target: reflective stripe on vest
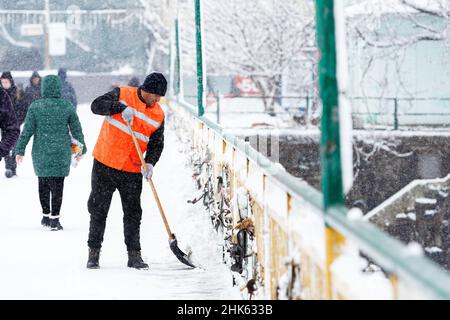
(143, 117)
(119, 125)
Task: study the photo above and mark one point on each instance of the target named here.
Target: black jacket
(8, 124)
(16, 96)
(67, 90)
(32, 93)
(108, 104)
(68, 93)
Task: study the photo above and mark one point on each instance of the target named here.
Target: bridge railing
(318, 253)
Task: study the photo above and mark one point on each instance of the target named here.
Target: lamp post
(46, 33)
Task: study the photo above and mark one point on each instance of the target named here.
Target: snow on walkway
(36, 263)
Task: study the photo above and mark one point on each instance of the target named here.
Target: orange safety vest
(115, 147)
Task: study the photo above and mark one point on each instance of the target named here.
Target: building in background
(96, 41)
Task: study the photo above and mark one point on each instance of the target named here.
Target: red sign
(246, 85)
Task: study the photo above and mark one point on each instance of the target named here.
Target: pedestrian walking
(68, 92)
(33, 91)
(16, 97)
(9, 127)
(50, 120)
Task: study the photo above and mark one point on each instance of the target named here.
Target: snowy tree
(261, 39)
(385, 33)
(158, 31)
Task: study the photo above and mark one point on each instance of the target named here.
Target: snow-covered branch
(261, 39)
(434, 8)
(386, 36)
(152, 21)
(77, 42)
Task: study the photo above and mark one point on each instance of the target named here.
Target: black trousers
(51, 187)
(105, 181)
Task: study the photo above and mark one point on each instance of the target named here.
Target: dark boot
(55, 225)
(135, 261)
(10, 173)
(45, 222)
(94, 256)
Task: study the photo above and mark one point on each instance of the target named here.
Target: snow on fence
(294, 250)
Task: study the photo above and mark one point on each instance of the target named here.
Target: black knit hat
(155, 83)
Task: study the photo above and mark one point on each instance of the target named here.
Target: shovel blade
(173, 243)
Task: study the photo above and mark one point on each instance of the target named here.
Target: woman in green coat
(51, 120)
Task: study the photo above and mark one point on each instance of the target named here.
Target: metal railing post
(328, 86)
(332, 181)
(308, 115)
(218, 107)
(200, 71)
(46, 34)
(177, 59)
(395, 114)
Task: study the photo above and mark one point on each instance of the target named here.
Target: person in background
(16, 97)
(49, 120)
(67, 90)
(113, 86)
(9, 125)
(134, 82)
(33, 91)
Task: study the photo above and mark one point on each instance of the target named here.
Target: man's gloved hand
(128, 115)
(147, 171)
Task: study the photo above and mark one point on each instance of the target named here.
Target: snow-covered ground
(36, 263)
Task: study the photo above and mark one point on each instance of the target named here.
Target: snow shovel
(172, 239)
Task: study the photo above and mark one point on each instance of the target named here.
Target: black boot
(135, 261)
(94, 256)
(45, 222)
(55, 225)
(10, 173)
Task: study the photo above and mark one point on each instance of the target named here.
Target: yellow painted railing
(291, 229)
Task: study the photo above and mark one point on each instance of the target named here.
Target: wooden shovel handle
(152, 186)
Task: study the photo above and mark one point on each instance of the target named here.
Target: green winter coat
(49, 120)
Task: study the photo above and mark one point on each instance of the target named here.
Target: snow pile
(348, 275)
(426, 201)
(413, 249)
(355, 214)
(433, 249)
(430, 212)
(410, 215)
